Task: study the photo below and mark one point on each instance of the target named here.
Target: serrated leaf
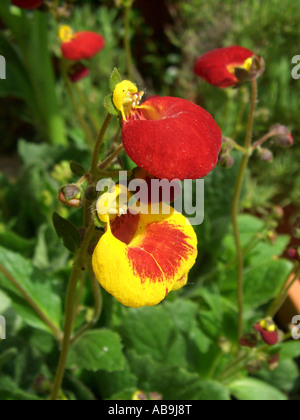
(67, 232)
(98, 349)
(115, 78)
(109, 105)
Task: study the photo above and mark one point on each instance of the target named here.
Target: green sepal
(67, 232)
(109, 105)
(115, 78)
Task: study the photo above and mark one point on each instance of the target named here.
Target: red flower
(225, 67)
(172, 138)
(27, 4)
(268, 332)
(81, 45)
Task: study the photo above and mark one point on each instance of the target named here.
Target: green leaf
(249, 389)
(152, 331)
(98, 349)
(109, 105)
(77, 169)
(115, 78)
(68, 232)
(290, 350)
(284, 377)
(174, 383)
(37, 284)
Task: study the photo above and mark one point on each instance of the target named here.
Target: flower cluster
(169, 139)
(79, 46)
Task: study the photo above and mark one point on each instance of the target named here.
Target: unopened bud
(249, 340)
(71, 195)
(139, 396)
(283, 135)
(293, 254)
(265, 154)
(226, 161)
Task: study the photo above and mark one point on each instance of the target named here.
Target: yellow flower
(143, 257)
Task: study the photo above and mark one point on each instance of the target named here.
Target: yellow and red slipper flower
(229, 66)
(170, 138)
(80, 45)
(143, 257)
(27, 4)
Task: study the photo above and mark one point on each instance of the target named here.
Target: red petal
(212, 66)
(271, 338)
(160, 252)
(27, 4)
(172, 138)
(84, 45)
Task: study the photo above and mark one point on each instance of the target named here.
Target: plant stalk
(235, 210)
(79, 265)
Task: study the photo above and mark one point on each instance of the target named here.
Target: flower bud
(268, 331)
(293, 254)
(71, 195)
(226, 161)
(249, 340)
(283, 135)
(265, 154)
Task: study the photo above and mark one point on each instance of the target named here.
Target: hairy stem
(99, 141)
(79, 265)
(235, 210)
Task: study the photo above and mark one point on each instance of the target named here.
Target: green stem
(57, 333)
(279, 301)
(266, 137)
(111, 157)
(94, 165)
(79, 265)
(98, 304)
(235, 209)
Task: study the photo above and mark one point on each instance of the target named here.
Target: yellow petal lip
(126, 97)
(65, 33)
(154, 262)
